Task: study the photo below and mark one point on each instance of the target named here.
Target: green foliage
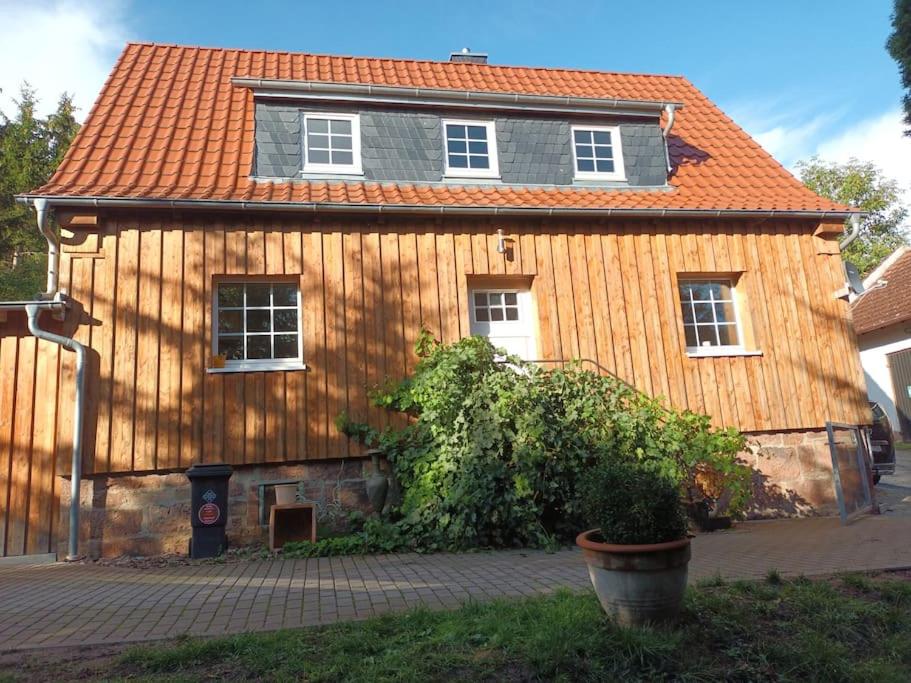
(495, 452)
(632, 504)
(899, 46)
(31, 148)
(789, 631)
(862, 185)
(325, 547)
(23, 280)
(376, 536)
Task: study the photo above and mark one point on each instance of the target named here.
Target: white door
(505, 317)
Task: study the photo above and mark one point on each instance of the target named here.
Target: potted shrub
(638, 552)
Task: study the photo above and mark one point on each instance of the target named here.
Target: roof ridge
(887, 263)
(557, 69)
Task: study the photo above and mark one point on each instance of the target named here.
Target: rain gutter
(420, 209)
(440, 97)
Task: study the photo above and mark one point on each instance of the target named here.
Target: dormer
(342, 131)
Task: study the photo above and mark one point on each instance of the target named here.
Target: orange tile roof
(888, 304)
(169, 124)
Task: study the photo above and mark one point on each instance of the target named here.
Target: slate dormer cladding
(407, 146)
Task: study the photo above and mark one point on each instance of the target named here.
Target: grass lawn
(849, 628)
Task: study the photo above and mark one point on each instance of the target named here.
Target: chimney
(466, 56)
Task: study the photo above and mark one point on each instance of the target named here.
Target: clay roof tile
(169, 120)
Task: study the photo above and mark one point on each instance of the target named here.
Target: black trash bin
(208, 508)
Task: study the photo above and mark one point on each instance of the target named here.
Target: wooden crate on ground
(293, 522)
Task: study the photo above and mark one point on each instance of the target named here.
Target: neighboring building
(882, 321)
(300, 217)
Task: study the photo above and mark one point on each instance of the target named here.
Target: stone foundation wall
(792, 474)
(149, 514)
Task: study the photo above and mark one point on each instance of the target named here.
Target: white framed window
(597, 153)
(332, 143)
(257, 325)
(471, 149)
(506, 318)
(711, 321)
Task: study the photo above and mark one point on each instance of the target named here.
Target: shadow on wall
(769, 500)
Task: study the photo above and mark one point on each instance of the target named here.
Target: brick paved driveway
(894, 491)
(59, 604)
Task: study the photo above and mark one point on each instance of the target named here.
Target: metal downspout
(670, 110)
(855, 232)
(34, 311)
(53, 248)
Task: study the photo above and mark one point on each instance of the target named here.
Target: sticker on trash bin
(209, 513)
(209, 496)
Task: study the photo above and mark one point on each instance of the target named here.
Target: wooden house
(251, 240)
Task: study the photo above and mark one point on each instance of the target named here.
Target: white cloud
(878, 139)
(801, 134)
(785, 128)
(787, 143)
(59, 46)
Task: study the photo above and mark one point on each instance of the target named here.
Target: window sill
(450, 178)
(721, 353)
(600, 178)
(329, 173)
(256, 368)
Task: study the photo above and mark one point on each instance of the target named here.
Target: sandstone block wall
(149, 514)
(792, 474)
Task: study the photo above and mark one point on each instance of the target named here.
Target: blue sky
(803, 77)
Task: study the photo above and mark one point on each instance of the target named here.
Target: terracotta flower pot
(285, 494)
(637, 584)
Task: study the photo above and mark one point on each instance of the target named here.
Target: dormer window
(597, 153)
(471, 149)
(332, 143)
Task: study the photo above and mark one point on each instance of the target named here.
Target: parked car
(882, 443)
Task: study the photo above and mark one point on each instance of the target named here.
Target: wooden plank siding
(605, 291)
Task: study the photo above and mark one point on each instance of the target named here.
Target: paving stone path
(59, 604)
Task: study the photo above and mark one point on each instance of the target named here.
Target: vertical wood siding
(28, 413)
(602, 291)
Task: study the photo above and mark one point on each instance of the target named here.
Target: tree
(899, 46)
(30, 149)
(861, 184)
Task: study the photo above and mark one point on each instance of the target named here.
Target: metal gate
(851, 469)
(900, 368)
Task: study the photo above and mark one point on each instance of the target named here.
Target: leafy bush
(495, 452)
(376, 536)
(632, 504)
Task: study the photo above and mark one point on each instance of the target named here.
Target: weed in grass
(758, 591)
(858, 582)
(713, 581)
(773, 577)
(895, 592)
